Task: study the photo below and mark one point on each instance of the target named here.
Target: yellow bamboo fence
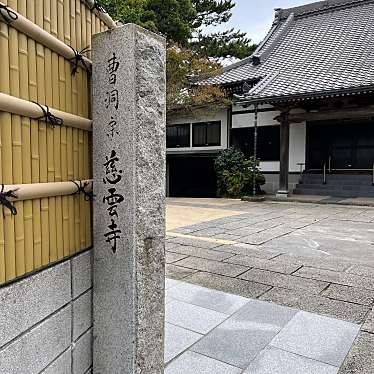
(45, 131)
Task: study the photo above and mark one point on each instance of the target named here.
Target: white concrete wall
(297, 135)
(218, 116)
(46, 321)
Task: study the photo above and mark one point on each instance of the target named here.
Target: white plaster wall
(247, 119)
(297, 145)
(297, 136)
(218, 116)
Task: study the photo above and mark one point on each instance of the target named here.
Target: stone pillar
(129, 207)
(284, 156)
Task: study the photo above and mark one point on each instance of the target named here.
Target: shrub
(235, 174)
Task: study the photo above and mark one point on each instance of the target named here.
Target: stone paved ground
(316, 258)
(212, 332)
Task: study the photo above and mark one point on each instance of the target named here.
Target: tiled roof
(322, 47)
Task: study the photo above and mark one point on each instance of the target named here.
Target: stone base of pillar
(282, 194)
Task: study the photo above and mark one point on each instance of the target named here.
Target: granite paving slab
(231, 285)
(360, 359)
(258, 263)
(209, 254)
(350, 294)
(215, 267)
(177, 340)
(276, 361)
(317, 337)
(178, 272)
(194, 242)
(249, 250)
(204, 297)
(329, 263)
(194, 363)
(283, 280)
(317, 304)
(336, 277)
(240, 338)
(193, 317)
(368, 325)
(366, 271)
(171, 257)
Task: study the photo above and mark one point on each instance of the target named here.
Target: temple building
(307, 93)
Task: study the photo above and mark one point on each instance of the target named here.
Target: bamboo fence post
(46, 255)
(35, 63)
(67, 168)
(4, 129)
(14, 65)
(26, 143)
(79, 152)
(7, 166)
(74, 160)
(44, 96)
(88, 31)
(58, 87)
(93, 24)
(98, 29)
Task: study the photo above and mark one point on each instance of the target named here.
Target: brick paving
(316, 258)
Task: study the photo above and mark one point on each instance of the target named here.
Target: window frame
(206, 125)
(182, 145)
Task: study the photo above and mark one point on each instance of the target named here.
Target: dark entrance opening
(192, 176)
(345, 145)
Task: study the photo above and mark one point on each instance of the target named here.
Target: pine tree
(182, 21)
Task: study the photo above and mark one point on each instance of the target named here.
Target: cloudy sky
(256, 16)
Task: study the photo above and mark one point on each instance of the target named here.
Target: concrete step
(333, 192)
(338, 187)
(348, 179)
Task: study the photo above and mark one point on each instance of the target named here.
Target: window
(178, 136)
(268, 140)
(206, 134)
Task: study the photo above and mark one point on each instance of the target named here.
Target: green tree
(181, 64)
(181, 21)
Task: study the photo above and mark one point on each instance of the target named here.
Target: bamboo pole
(45, 98)
(14, 65)
(80, 85)
(52, 100)
(88, 31)
(26, 144)
(36, 87)
(28, 109)
(60, 133)
(4, 130)
(65, 146)
(7, 166)
(105, 17)
(74, 137)
(30, 191)
(98, 29)
(38, 34)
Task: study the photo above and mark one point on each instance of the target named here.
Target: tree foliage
(235, 173)
(181, 64)
(181, 22)
(190, 51)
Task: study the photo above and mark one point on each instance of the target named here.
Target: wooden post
(284, 155)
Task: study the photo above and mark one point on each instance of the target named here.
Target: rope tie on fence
(8, 14)
(78, 57)
(4, 200)
(48, 117)
(81, 188)
(98, 6)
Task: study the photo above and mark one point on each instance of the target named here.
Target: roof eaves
(245, 99)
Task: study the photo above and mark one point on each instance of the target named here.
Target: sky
(256, 16)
